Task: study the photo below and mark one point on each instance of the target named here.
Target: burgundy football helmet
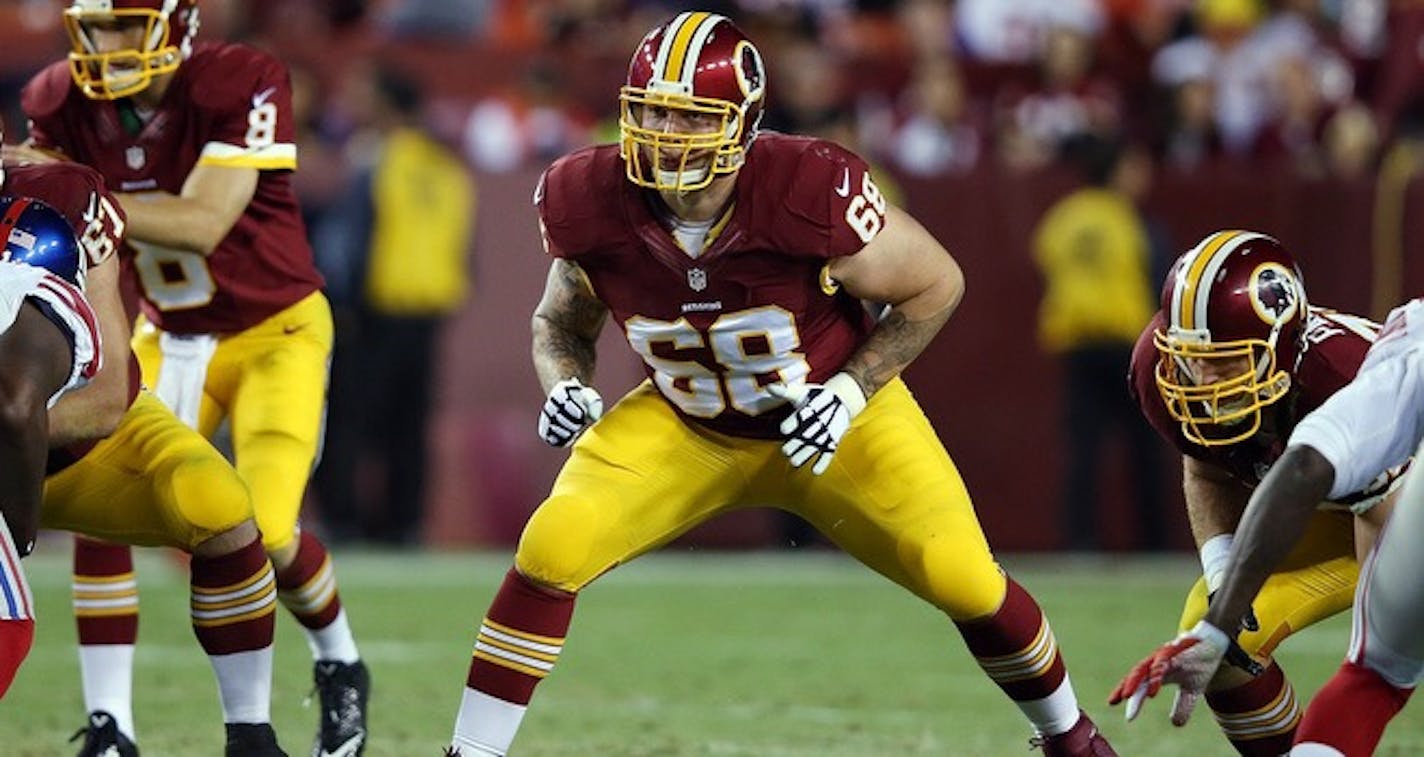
(1236, 313)
(168, 30)
(690, 108)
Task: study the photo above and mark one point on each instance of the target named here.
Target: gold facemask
(121, 73)
(1227, 409)
(703, 155)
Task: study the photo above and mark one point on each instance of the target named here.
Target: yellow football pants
(1316, 581)
(269, 382)
(153, 482)
(892, 498)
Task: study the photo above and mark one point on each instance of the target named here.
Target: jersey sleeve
(834, 198)
(576, 201)
(252, 124)
(1371, 425)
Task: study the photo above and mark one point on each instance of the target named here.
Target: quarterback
(196, 140)
(736, 264)
(1227, 369)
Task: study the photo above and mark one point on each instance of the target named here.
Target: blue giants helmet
(36, 234)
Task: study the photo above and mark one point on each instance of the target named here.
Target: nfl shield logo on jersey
(697, 279)
(134, 157)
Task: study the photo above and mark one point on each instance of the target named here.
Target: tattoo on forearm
(566, 327)
(891, 346)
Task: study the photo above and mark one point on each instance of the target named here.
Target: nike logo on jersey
(844, 189)
(261, 97)
(289, 330)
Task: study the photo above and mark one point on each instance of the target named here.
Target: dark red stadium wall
(991, 393)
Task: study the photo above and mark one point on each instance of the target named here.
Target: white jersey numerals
(866, 212)
(173, 279)
(747, 345)
(103, 227)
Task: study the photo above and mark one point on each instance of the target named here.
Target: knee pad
(208, 497)
(558, 545)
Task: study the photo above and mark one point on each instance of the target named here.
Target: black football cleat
(252, 740)
(102, 738)
(343, 689)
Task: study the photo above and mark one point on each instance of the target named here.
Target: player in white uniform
(49, 344)
(1374, 423)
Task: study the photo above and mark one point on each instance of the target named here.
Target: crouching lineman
(1364, 430)
(149, 479)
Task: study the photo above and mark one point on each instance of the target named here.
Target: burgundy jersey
(228, 105)
(756, 306)
(79, 194)
(1336, 344)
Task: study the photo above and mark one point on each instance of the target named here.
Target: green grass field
(678, 654)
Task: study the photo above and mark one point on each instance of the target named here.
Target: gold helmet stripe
(681, 45)
(1193, 288)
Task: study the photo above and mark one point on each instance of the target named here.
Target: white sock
(333, 643)
(245, 685)
(486, 725)
(107, 672)
(1056, 713)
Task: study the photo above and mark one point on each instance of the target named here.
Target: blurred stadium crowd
(926, 87)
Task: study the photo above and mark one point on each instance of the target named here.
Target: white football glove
(821, 416)
(1189, 661)
(570, 408)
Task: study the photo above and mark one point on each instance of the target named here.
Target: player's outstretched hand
(570, 408)
(1189, 661)
(820, 417)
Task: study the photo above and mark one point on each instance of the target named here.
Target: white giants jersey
(62, 303)
(1375, 422)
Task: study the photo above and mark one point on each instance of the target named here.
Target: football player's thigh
(1391, 593)
(634, 481)
(1316, 581)
(895, 501)
(276, 415)
(153, 482)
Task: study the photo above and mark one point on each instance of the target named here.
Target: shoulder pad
(579, 200)
(825, 194)
(224, 75)
(46, 92)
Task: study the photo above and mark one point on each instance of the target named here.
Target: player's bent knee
(208, 497)
(964, 589)
(558, 543)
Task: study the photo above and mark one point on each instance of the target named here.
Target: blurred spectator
(1352, 143)
(1096, 255)
(532, 125)
(939, 133)
(808, 87)
(1065, 100)
(393, 252)
(1013, 31)
(455, 20)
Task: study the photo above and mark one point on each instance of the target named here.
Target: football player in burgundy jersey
(197, 142)
(736, 265)
(1371, 425)
(122, 467)
(1225, 371)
